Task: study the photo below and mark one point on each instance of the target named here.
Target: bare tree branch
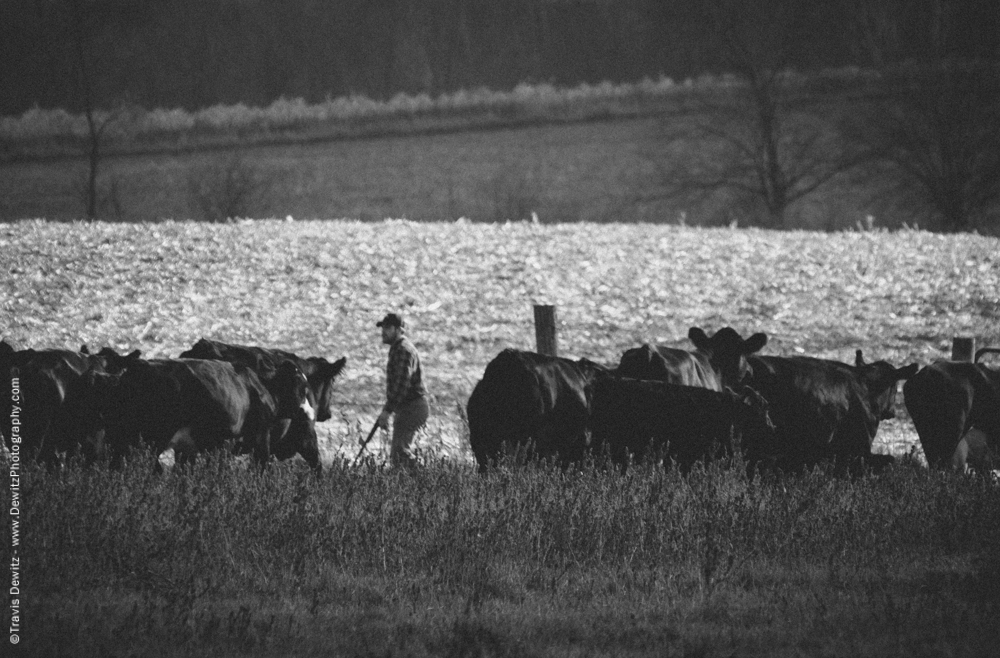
(762, 138)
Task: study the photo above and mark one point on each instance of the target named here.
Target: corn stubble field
(216, 559)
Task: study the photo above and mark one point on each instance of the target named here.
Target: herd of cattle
(683, 406)
(784, 413)
(253, 400)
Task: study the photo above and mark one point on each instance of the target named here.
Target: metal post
(545, 329)
(963, 349)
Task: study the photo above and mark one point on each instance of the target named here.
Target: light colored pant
(409, 419)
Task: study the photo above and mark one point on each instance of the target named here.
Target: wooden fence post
(545, 329)
(963, 349)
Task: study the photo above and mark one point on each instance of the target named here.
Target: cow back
(45, 377)
(154, 400)
(525, 398)
(718, 361)
(644, 419)
(670, 365)
(813, 404)
(827, 410)
(947, 399)
(320, 373)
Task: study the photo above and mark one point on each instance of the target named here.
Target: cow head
(757, 433)
(295, 428)
(115, 362)
(291, 392)
(727, 352)
(204, 349)
(92, 408)
(321, 384)
(880, 381)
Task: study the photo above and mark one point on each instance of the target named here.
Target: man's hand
(383, 420)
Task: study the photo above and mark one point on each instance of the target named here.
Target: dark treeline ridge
(197, 53)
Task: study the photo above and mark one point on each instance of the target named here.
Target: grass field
(593, 171)
(221, 561)
(563, 172)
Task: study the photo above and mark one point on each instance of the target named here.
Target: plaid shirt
(404, 381)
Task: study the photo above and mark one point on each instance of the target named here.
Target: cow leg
(483, 436)
(181, 447)
(973, 453)
(117, 443)
(960, 460)
(878, 463)
(515, 440)
(272, 435)
(166, 460)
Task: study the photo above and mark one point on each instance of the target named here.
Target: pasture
(218, 560)
(484, 175)
(587, 171)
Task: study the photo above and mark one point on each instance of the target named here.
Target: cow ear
(755, 343)
(133, 355)
(907, 371)
(288, 371)
(859, 361)
(699, 338)
(84, 349)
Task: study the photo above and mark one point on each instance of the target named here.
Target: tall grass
(286, 114)
(217, 557)
(525, 102)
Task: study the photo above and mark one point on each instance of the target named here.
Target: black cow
(534, 402)
(44, 377)
(194, 405)
(826, 410)
(719, 361)
(318, 371)
(652, 420)
(955, 407)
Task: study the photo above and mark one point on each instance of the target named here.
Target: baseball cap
(391, 320)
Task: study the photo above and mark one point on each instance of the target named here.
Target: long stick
(364, 444)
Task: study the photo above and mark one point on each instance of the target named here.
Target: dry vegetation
(218, 560)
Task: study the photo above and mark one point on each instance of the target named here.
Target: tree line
(197, 53)
(929, 118)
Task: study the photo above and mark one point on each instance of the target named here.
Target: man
(406, 396)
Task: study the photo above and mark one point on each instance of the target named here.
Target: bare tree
(84, 20)
(937, 127)
(762, 136)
